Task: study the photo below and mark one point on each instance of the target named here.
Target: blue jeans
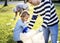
(53, 30)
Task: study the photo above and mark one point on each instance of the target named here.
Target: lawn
(7, 23)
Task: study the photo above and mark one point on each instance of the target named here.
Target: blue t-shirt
(18, 29)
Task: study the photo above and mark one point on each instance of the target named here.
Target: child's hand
(26, 29)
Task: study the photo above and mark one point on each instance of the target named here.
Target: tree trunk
(5, 3)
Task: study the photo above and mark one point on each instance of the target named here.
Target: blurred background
(7, 23)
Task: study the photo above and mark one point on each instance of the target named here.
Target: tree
(5, 4)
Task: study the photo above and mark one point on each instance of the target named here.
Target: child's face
(25, 18)
(34, 2)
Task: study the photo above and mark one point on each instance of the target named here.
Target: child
(20, 25)
(50, 19)
(19, 8)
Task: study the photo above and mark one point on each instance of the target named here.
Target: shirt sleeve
(32, 21)
(45, 10)
(47, 14)
(19, 25)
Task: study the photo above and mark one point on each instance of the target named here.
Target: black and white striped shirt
(47, 10)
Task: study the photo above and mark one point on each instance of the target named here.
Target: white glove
(40, 30)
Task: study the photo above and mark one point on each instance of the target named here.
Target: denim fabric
(53, 30)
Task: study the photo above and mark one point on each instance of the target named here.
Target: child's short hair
(24, 13)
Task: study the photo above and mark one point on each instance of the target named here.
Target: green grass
(6, 14)
(6, 31)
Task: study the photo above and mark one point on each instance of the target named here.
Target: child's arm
(18, 24)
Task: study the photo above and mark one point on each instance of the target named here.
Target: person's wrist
(41, 29)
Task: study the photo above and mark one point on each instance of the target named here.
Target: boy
(20, 25)
(19, 8)
(50, 20)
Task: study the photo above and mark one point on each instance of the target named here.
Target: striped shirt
(47, 10)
